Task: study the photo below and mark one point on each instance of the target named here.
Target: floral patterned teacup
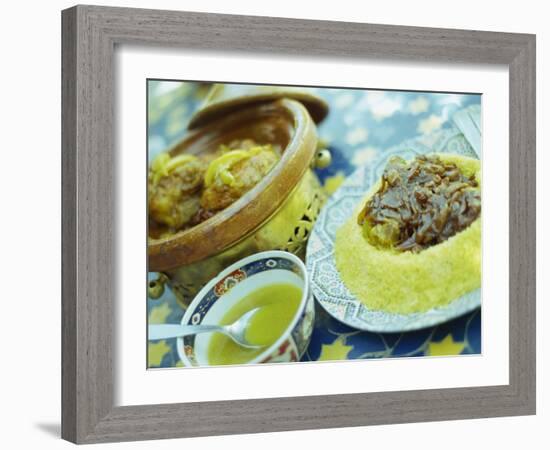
(229, 287)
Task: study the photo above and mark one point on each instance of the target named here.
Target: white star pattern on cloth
(419, 105)
(380, 105)
(357, 136)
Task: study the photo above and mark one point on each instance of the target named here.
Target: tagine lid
(224, 98)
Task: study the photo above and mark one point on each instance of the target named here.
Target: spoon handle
(168, 331)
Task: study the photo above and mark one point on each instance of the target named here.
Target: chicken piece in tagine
(185, 190)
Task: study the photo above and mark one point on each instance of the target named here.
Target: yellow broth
(279, 304)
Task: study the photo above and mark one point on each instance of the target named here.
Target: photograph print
(291, 224)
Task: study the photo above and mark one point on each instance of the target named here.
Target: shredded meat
(420, 204)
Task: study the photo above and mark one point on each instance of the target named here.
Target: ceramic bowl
(229, 287)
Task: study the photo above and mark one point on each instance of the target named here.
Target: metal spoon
(235, 331)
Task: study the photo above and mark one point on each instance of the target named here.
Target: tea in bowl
(276, 282)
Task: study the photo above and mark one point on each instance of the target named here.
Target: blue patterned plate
(328, 288)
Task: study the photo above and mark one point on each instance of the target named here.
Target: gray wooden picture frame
(90, 34)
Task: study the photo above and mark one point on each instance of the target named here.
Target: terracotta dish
(277, 213)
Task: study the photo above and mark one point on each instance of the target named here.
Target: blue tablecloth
(361, 124)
